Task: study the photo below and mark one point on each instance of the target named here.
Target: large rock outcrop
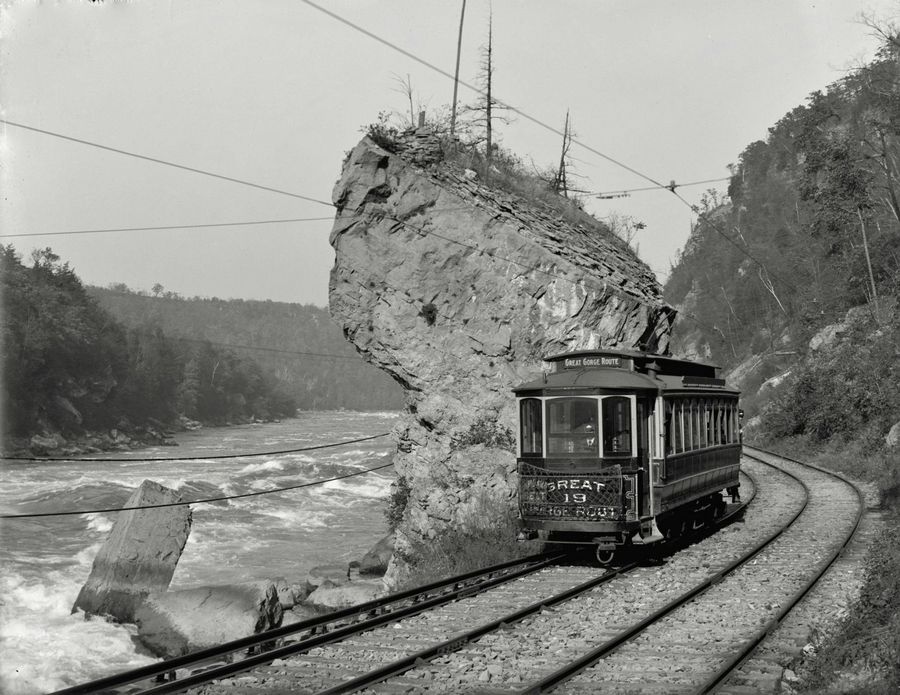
(458, 290)
(174, 623)
(139, 556)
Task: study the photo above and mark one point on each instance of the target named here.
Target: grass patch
(487, 537)
(863, 653)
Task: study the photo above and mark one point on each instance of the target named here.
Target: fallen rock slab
(174, 623)
(331, 597)
(138, 557)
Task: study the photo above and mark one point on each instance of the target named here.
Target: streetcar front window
(572, 427)
(531, 426)
(616, 426)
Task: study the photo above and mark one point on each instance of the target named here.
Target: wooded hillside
(810, 229)
(70, 367)
(298, 345)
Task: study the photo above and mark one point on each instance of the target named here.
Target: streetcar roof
(602, 378)
(667, 362)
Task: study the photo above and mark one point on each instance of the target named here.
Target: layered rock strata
(458, 291)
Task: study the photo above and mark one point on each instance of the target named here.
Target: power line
(475, 89)
(165, 162)
(201, 226)
(300, 353)
(431, 66)
(201, 501)
(171, 226)
(194, 458)
(670, 187)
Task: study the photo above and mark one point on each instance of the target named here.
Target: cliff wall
(458, 290)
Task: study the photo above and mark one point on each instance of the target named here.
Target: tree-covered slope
(810, 229)
(299, 345)
(69, 366)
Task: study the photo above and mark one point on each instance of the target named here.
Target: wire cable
(165, 162)
(171, 226)
(552, 129)
(477, 90)
(670, 187)
(193, 458)
(207, 500)
(201, 226)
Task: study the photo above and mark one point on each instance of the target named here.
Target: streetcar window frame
(610, 424)
(563, 438)
(531, 433)
(696, 422)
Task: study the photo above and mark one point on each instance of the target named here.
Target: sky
(275, 92)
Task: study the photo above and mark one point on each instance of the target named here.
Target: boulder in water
(174, 623)
(138, 557)
(376, 560)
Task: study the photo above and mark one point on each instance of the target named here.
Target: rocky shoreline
(124, 437)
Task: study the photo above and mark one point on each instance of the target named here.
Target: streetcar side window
(532, 427)
(616, 426)
(572, 427)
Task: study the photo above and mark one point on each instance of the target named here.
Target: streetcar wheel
(605, 557)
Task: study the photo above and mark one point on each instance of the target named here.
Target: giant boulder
(138, 557)
(458, 290)
(179, 622)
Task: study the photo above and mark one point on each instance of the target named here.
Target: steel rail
(577, 666)
(450, 589)
(750, 646)
(400, 666)
(395, 668)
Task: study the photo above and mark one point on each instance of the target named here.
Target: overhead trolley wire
(207, 500)
(671, 187)
(100, 459)
(164, 162)
(432, 66)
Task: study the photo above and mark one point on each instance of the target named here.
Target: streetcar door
(644, 426)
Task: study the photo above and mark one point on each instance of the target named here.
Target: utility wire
(164, 162)
(475, 89)
(194, 458)
(201, 501)
(299, 353)
(431, 66)
(171, 226)
(201, 226)
(670, 187)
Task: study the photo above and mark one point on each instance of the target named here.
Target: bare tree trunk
(489, 153)
(561, 184)
(862, 226)
(462, 16)
(767, 283)
(888, 171)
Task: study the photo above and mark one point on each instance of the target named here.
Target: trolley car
(621, 448)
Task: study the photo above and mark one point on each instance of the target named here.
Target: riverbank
(126, 437)
(45, 561)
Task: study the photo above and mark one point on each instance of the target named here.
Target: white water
(43, 647)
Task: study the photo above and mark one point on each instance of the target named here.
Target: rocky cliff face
(458, 290)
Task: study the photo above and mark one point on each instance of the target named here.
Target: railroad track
(683, 627)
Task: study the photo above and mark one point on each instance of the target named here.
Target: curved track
(684, 626)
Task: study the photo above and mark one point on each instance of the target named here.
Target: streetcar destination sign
(590, 511)
(593, 362)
